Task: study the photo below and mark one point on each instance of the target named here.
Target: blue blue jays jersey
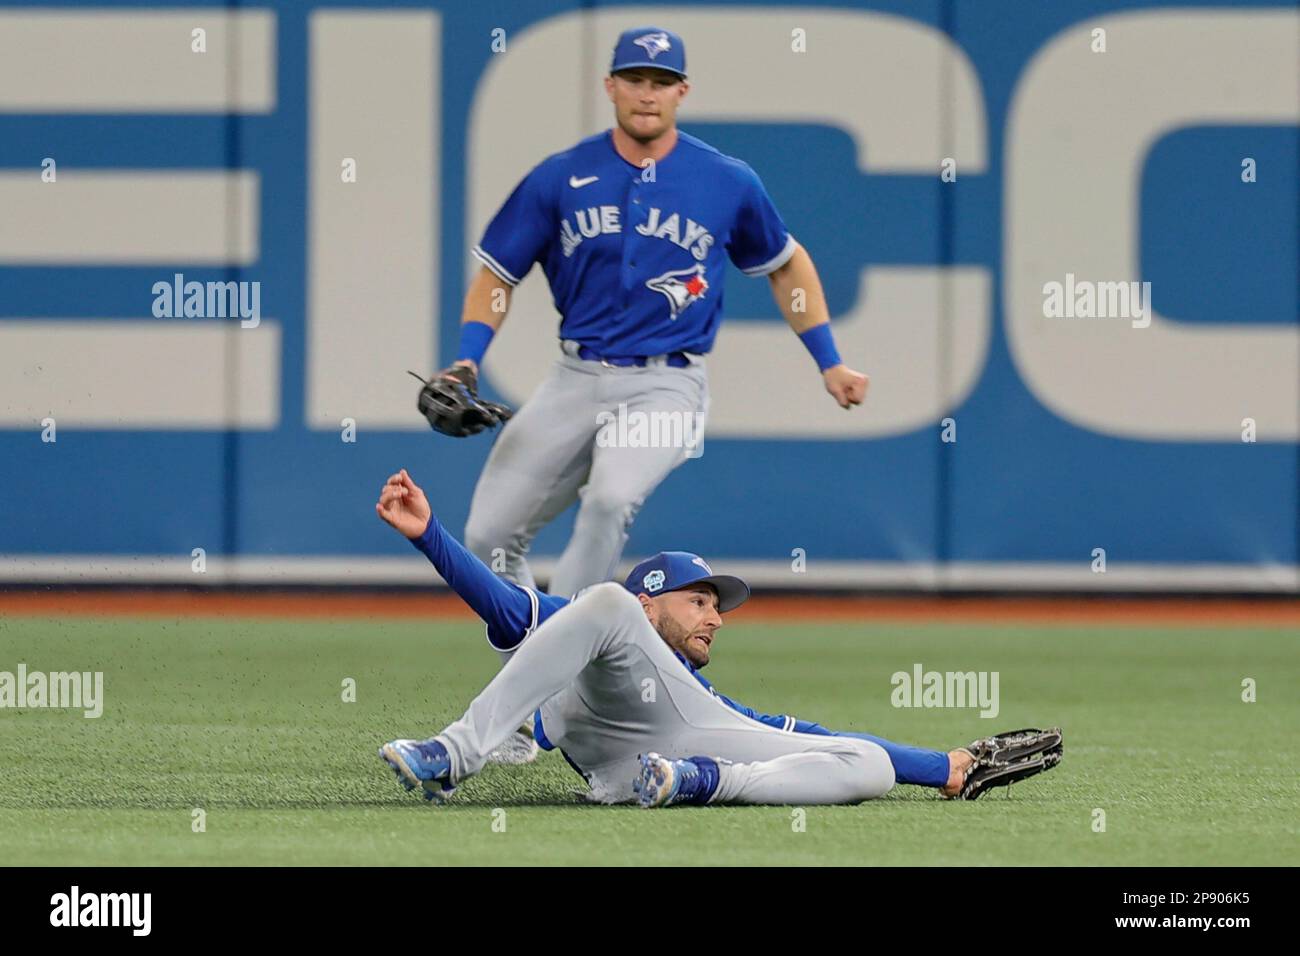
(635, 257)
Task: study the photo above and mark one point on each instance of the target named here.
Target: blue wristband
(474, 340)
(821, 346)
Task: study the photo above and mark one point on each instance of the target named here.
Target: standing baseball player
(613, 679)
(632, 227)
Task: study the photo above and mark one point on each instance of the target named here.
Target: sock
(706, 781)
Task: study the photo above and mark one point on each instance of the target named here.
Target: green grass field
(244, 718)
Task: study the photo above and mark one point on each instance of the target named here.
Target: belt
(673, 359)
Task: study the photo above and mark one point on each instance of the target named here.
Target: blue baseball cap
(649, 46)
(674, 570)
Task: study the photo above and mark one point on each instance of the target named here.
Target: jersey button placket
(629, 238)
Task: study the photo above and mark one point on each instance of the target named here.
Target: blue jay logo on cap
(700, 562)
(653, 581)
(654, 44)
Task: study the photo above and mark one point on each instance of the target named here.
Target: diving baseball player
(613, 679)
(632, 227)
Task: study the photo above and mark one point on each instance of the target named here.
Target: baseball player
(612, 678)
(632, 227)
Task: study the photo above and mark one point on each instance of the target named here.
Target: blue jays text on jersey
(513, 612)
(635, 256)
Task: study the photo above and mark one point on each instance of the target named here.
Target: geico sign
(1078, 129)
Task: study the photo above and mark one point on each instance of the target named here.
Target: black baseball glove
(450, 402)
(1003, 759)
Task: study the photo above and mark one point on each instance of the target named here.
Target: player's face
(645, 101)
(687, 620)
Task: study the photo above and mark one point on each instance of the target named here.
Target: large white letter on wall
(113, 373)
(372, 288)
(1079, 130)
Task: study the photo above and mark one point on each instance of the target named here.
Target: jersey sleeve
(759, 243)
(518, 234)
(915, 765)
(510, 611)
(778, 721)
(786, 722)
(508, 632)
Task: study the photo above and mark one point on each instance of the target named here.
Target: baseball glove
(450, 402)
(1003, 759)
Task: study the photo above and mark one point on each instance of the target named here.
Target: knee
(606, 503)
(875, 771)
(611, 598)
(486, 533)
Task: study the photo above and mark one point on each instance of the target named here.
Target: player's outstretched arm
(914, 765)
(486, 303)
(506, 608)
(797, 290)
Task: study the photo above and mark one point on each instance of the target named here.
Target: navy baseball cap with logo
(649, 46)
(674, 570)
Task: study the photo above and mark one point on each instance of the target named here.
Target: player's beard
(678, 637)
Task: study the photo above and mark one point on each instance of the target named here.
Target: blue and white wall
(1072, 435)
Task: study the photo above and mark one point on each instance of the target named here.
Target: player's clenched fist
(403, 505)
(845, 385)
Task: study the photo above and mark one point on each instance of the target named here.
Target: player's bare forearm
(798, 293)
(486, 301)
(797, 290)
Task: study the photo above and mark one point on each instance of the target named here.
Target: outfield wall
(1072, 435)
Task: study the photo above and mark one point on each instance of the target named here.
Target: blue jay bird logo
(654, 44)
(681, 287)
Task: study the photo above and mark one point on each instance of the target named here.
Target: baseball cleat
(1004, 759)
(519, 747)
(420, 763)
(663, 782)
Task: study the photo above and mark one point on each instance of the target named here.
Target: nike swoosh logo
(577, 183)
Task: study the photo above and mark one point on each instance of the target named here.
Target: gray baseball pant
(610, 689)
(548, 456)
